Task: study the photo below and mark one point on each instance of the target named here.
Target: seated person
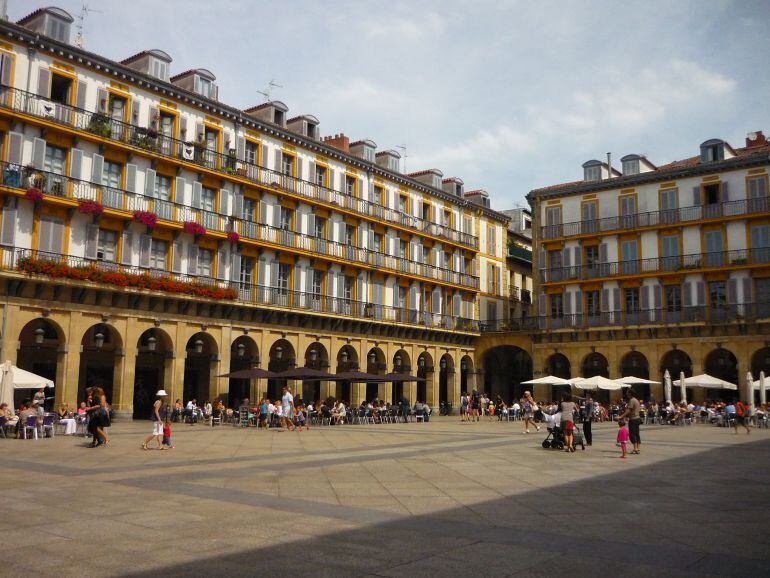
(10, 417)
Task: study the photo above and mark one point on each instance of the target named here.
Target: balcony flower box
(89, 207)
(233, 237)
(34, 194)
(99, 125)
(146, 218)
(194, 229)
(739, 261)
(91, 272)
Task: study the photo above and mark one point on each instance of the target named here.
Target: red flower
(233, 237)
(34, 195)
(89, 207)
(146, 218)
(193, 228)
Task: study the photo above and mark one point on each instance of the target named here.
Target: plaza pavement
(444, 498)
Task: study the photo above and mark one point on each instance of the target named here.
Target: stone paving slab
(444, 498)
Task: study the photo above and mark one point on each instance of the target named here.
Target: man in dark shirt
(632, 413)
(588, 416)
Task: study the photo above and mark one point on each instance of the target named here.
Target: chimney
(338, 141)
(755, 139)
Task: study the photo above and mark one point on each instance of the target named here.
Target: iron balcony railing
(15, 176)
(526, 296)
(152, 141)
(657, 218)
(77, 268)
(502, 325)
(679, 263)
(520, 253)
(665, 316)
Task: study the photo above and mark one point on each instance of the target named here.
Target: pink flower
(193, 228)
(233, 237)
(34, 195)
(89, 207)
(146, 218)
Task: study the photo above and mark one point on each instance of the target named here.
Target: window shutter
(263, 212)
(311, 225)
(145, 249)
(657, 297)
(725, 193)
(43, 82)
(603, 253)
(274, 273)
(309, 280)
(732, 291)
(311, 172)
(38, 153)
(57, 236)
(222, 264)
(235, 267)
(696, 195)
(413, 304)
(15, 142)
(277, 216)
(97, 169)
(578, 302)
(192, 259)
(262, 272)
(362, 191)
(180, 184)
(149, 183)
(176, 258)
(457, 303)
(435, 301)
(542, 259)
(378, 292)
(8, 233)
(238, 206)
(567, 302)
(701, 290)
(747, 298)
(360, 290)
(101, 100)
(224, 202)
(199, 131)
(646, 297)
(278, 161)
(134, 118)
(566, 254)
(332, 178)
(197, 191)
(80, 99)
(616, 299)
(576, 257)
(240, 148)
(128, 248)
(92, 240)
(687, 294)
(6, 64)
(131, 178)
(542, 304)
(44, 235)
(153, 114)
(605, 303)
(76, 162)
(300, 167)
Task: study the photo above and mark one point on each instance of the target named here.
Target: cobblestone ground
(443, 498)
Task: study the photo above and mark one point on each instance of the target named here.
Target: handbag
(535, 407)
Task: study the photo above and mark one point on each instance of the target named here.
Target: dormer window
(58, 29)
(393, 163)
(592, 173)
(159, 69)
(278, 117)
(631, 167)
(204, 86)
(436, 182)
(712, 150)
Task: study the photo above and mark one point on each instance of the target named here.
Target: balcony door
(714, 245)
(669, 252)
(629, 251)
(590, 212)
(628, 211)
(669, 206)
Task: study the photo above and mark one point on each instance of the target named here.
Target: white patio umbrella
(547, 380)
(598, 382)
(14, 378)
(750, 392)
(574, 380)
(683, 386)
(631, 380)
(762, 388)
(706, 381)
(667, 386)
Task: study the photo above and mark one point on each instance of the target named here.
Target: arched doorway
(558, 365)
(347, 360)
(425, 371)
(153, 369)
(466, 370)
(100, 365)
(596, 364)
(281, 357)
(505, 367)
(316, 357)
(676, 362)
(401, 364)
(244, 354)
(760, 362)
(375, 364)
(200, 368)
(634, 364)
(446, 380)
(41, 351)
(723, 364)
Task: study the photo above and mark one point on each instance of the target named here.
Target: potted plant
(99, 124)
(194, 229)
(233, 237)
(91, 207)
(35, 195)
(146, 218)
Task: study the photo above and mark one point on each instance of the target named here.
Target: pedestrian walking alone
(632, 413)
(588, 417)
(158, 418)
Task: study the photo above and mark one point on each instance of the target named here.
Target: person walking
(475, 405)
(567, 409)
(96, 410)
(588, 417)
(739, 419)
(158, 417)
(287, 408)
(632, 412)
(528, 411)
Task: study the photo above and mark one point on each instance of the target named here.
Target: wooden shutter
(199, 131)
(616, 299)
(311, 172)
(413, 304)
(145, 249)
(262, 272)
(657, 297)
(457, 303)
(566, 254)
(8, 232)
(92, 240)
(277, 216)
(176, 257)
(360, 290)
(134, 118)
(604, 306)
(197, 192)
(278, 161)
(309, 280)
(235, 267)
(310, 225)
(725, 192)
(700, 287)
(180, 185)
(645, 290)
(687, 294)
(567, 302)
(435, 301)
(43, 82)
(542, 259)
(300, 168)
(149, 183)
(378, 291)
(238, 206)
(76, 163)
(263, 212)
(221, 263)
(102, 100)
(603, 253)
(153, 114)
(44, 234)
(579, 302)
(57, 236)
(332, 178)
(97, 169)
(6, 65)
(747, 297)
(274, 274)
(192, 259)
(15, 143)
(38, 153)
(732, 291)
(542, 304)
(576, 257)
(240, 148)
(696, 195)
(224, 202)
(128, 248)
(131, 178)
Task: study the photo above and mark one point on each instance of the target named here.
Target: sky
(507, 95)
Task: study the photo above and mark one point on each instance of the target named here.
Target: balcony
(81, 270)
(60, 186)
(654, 219)
(527, 324)
(149, 141)
(515, 252)
(660, 265)
(697, 315)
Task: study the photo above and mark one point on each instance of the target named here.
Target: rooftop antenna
(402, 148)
(80, 26)
(270, 86)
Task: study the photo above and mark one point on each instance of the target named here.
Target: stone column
(71, 361)
(174, 384)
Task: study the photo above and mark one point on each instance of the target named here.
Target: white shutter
(192, 259)
(176, 257)
(145, 249)
(97, 169)
(76, 163)
(131, 178)
(127, 252)
(235, 267)
(149, 183)
(8, 232)
(222, 264)
(92, 240)
(38, 153)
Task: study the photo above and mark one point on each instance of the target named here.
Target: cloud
(404, 29)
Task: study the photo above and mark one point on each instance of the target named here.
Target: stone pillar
(68, 393)
(11, 331)
(174, 384)
(223, 366)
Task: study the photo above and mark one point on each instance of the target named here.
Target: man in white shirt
(287, 408)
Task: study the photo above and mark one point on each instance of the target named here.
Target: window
(111, 173)
(350, 185)
(589, 212)
(631, 296)
(211, 137)
(592, 173)
(320, 175)
(711, 194)
(50, 234)
(631, 167)
(557, 306)
(713, 152)
(347, 288)
(247, 271)
(757, 187)
(669, 252)
(320, 228)
(107, 245)
(250, 152)
(629, 255)
(447, 218)
(718, 294)
(402, 204)
(318, 280)
(669, 199)
(552, 221)
(762, 296)
(287, 164)
(208, 200)
(166, 127)
(55, 160)
(377, 243)
(628, 211)
(61, 87)
(286, 219)
(159, 69)
(492, 279)
(284, 276)
(491, 240)
(714, 248)
(401, 249)
(491, 311)
(206, 262)
(158, 254)
(162, 187)
(592, 303)
(426, 211)
(592, 257)
(467, 225)
(401, 297)
(205, 86)
(58, 29)
(554, 259)
(350, 235)
(673, 298)
(117, 108)
(249, 209)
(760, 244)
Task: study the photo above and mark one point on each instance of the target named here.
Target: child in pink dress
(622, 436)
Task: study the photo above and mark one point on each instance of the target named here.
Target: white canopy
(15, 378)
(547, 380)
(574, 380)
(706, 381)
(631, 380)
(598, 382)
(667, 386)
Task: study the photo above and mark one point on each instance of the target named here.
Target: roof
(662, 172)
(453, 180)
(200, 71)
(365, 141)
(276, 103)
(50, 9)
(390, 152)
(425, 172)
(153, 52)
(475, 192)
(308, 117)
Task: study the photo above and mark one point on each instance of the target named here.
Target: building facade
(519, 265)
(656, 268)
(153, 236)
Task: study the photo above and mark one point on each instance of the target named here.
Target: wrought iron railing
(19, 177)
(520, 253)
(159, 144)
(80, 269)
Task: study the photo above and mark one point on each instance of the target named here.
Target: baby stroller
(555, 438)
